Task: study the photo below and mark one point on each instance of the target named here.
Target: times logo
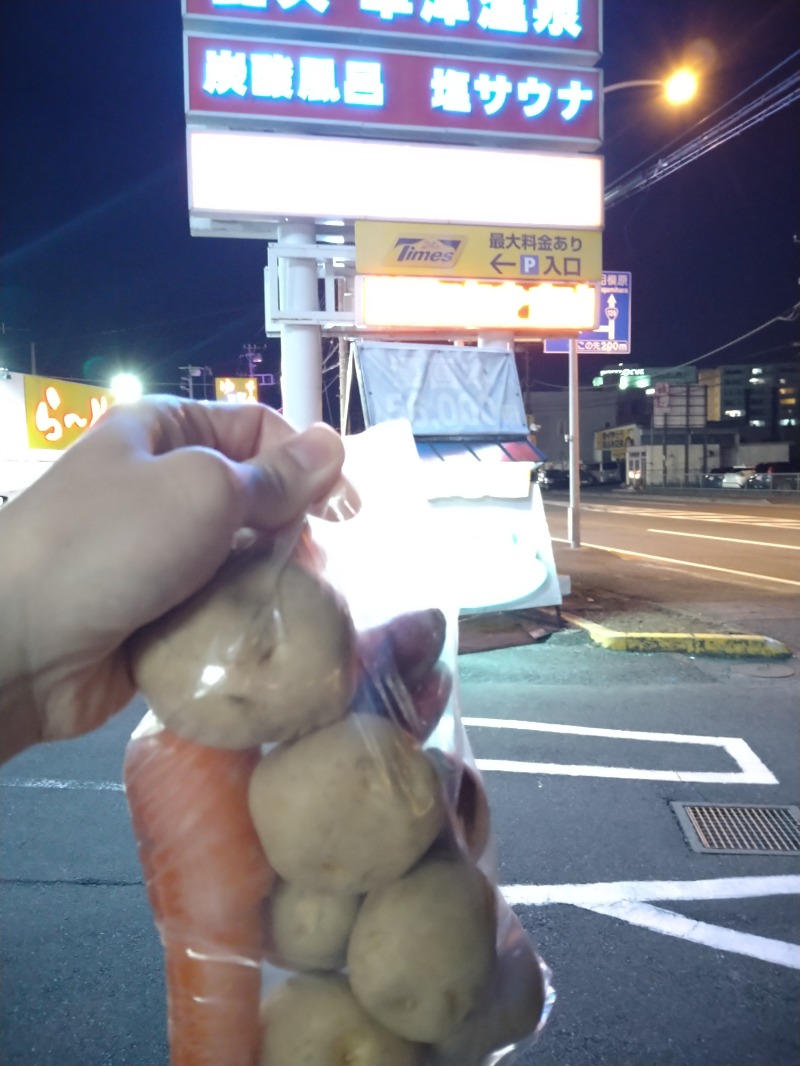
(427, 251)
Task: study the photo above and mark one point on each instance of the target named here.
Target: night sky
(100, 273)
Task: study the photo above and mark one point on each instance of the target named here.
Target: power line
(787, 93)
(707, 118)
(792, 315)
(769, 103)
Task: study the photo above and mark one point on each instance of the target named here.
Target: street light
(679, 88)
(127, 388)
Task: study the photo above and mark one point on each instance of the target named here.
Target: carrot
(207, 877)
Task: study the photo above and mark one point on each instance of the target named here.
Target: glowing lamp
(126, 388)
(681, 86)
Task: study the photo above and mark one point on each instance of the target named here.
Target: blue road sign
(613, 334)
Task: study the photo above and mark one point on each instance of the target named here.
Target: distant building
(747, 408)
(761, 399)
(633, 376)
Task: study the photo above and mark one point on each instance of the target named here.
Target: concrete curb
(738, 644)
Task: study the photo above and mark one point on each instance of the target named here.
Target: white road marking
(772, 521)
(48, 782)
(682, 562)
(602, 892)
(660, 920)
(752, 769)
(630, 901)
(728, 540)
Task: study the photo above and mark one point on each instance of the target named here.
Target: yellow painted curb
(749, 644)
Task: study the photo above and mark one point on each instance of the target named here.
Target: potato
(472, 809)
(265, 652)
(347, 808)
(309, 930)
(508, 1011)
(422, 948)
(468, 803)
(314, 1020)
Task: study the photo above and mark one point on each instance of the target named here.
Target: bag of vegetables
(314, 834)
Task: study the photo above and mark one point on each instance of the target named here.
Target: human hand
(130, 521)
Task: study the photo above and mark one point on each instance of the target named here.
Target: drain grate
(739, 829)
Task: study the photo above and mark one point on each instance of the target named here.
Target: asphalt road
(730, 536)
(662, 956)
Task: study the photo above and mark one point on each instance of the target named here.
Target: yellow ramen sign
(236, 390)
(513, 253)
(58, 412)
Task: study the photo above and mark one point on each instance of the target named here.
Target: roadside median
(730, 644)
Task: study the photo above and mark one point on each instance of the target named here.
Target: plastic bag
(314, 834)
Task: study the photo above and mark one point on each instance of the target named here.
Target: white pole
(496, 339)
(301, 345)
(574, 509)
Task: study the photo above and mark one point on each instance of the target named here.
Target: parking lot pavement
(81, 959)
(662, 955)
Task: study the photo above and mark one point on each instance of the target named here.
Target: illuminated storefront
(39, 418)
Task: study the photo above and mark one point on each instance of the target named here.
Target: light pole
(679, 88)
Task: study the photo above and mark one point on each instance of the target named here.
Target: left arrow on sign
(497, 262)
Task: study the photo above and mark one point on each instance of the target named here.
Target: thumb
(282, 481)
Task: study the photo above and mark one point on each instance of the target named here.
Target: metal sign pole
(574, 509)
(301, 345)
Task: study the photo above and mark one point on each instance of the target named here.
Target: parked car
(727, 477)
(737, 479)
(777, 476)
(552, 478)
(556, 478)
(606, 473)
(713, 479)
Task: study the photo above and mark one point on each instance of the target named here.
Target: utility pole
(187, 383)
(22, 329)
(574, 508)
(253, 357)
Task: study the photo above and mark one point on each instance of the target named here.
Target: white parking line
(752, 769)
(659, 920)
(601, 892)
(49, 782)
(630, 901)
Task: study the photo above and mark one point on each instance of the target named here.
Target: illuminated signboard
(402, 303)
(234, 174)
(511, 252)
(567, 29)
(236, 390)
(613, 333)
(443, 391)
(58, 412)
(390, 91)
